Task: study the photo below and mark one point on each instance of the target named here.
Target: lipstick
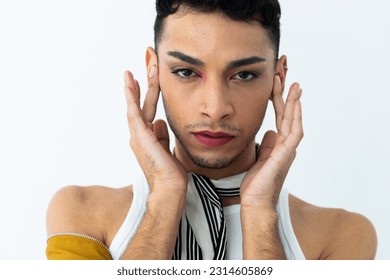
(212, 138)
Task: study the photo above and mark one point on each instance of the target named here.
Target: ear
(150, 58)
(281, 72)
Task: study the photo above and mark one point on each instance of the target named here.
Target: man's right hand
(149, 140)
(167, 178)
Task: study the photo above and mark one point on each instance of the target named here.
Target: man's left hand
(263, 182)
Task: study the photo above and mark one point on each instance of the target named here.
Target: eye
(245, 76)
(185, 73)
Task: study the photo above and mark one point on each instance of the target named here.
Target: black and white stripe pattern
(228, 192)
(209, 197)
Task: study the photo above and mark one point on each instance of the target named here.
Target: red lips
(213, 138)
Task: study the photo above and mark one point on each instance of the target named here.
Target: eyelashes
(242, 76)
(245, 76)
(185, 73)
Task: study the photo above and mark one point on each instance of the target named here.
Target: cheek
(177, 96)
(254, 98)
(168, 85)
(252, 108)
(174, 104)
(167, 90)
(164, 85)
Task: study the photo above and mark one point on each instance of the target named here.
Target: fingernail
(152, 71)
(280, 81)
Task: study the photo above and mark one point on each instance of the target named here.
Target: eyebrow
(233, 64)
(186, 58)
(245, 61)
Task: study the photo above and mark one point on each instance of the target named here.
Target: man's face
(216, 77)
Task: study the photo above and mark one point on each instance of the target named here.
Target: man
(218, 195)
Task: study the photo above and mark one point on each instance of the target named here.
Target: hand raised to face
(149, 139)
(263, 182)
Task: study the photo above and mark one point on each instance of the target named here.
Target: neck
(227, 201)
(243, 163)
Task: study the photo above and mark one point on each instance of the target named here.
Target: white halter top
(232, 217)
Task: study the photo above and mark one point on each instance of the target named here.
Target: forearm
(156, 236)
(260, 234)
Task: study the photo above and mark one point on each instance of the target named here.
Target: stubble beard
(214, 163)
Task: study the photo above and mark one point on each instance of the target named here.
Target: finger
(267, 145)
(161, 131)
(132, 84)
(277, 101)
(296, 134)
(134, 114)
(150, 104)
(288, 113)
(138, 91)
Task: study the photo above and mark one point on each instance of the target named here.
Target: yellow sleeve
(72, 247)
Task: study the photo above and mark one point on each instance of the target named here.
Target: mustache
(213, 126)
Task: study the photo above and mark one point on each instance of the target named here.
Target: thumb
(267, 146)
(161, 132)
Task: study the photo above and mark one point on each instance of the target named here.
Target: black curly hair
(266, 12)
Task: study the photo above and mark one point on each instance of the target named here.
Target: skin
(199, 67)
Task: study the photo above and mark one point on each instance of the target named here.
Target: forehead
(212, 34)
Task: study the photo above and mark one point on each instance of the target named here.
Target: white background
(62, 109)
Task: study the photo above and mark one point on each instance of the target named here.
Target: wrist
(258, 206)
(168, 188)
(166, 203)
(266, 202)
(266, 215)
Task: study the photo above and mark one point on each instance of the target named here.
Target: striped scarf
(202, 229)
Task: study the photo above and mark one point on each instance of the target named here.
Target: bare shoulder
(330, 233)
(94, 210)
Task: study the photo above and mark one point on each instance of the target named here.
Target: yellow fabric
(70, 247)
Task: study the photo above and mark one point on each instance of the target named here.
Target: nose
(216, 101)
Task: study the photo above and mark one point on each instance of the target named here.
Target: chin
(212, 162)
